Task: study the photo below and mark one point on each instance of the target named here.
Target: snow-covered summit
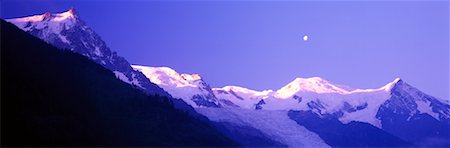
(55, 21)
(314, 84)
(165, 76)
(321, 86)
(189, 87)
(51, 17)
(390, 85)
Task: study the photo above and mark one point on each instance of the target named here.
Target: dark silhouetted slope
(53, 97)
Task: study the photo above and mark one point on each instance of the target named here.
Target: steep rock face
(415, 116)
(67, 31)
(407, 100)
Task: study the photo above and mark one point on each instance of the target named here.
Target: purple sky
(259, 45)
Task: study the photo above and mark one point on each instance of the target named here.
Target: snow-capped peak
(67, 31)
(314, 85)
(49, 26)
(189, 87)
(389, 86)
(55, 21)
(164, 76)
(69, 14)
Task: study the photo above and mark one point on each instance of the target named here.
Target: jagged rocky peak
(69, 14)
(46, 16)
(48, 23)
(66, 30)
(408, 100)
(389, 86)
(72, 11)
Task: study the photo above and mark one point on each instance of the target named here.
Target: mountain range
(396, 108)
(309, 112)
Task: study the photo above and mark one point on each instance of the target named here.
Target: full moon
(305, 38)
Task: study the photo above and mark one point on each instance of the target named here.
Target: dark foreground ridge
(52, 97)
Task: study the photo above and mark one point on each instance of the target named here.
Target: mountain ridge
(368, 110)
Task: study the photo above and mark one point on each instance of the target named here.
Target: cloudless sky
(259, 44)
